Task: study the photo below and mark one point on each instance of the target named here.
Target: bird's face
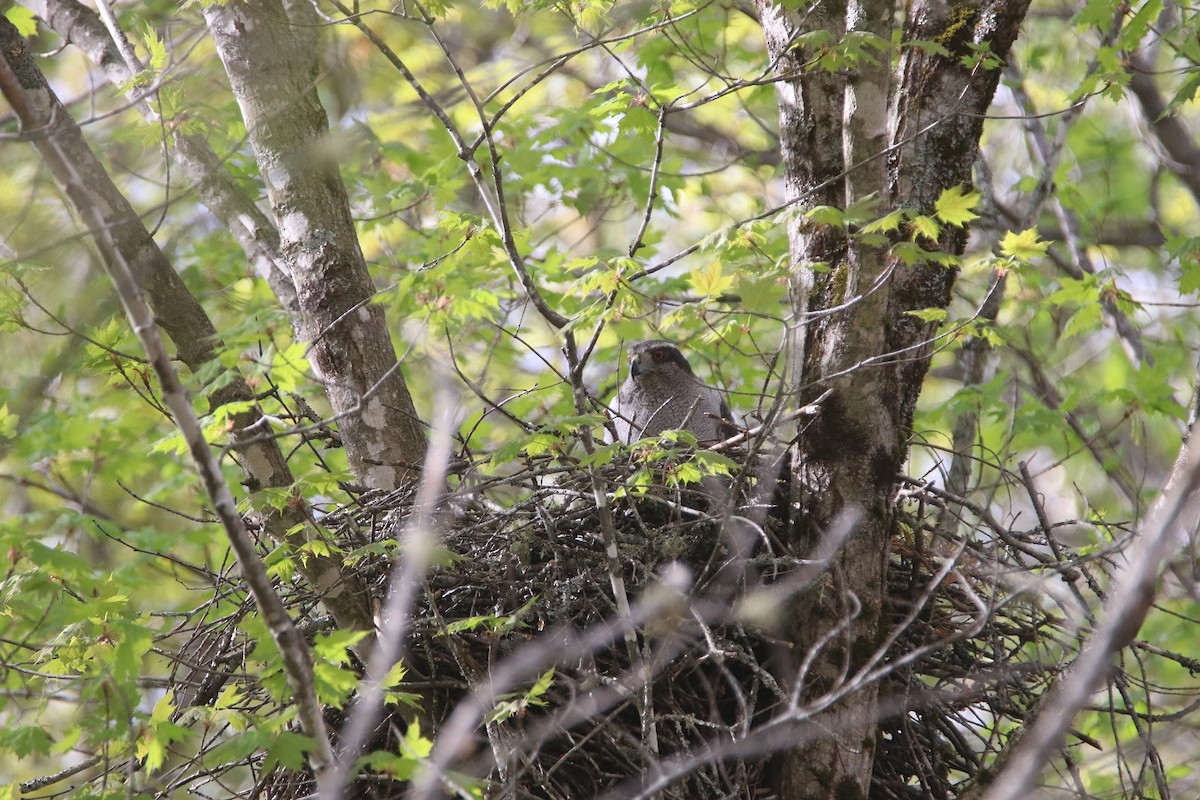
(656, 356)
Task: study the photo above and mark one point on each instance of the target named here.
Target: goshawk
(662, 393)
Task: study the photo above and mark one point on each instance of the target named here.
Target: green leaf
(911, 253)
(1087, 319)
(954, 206)
(636, 484)
(414, 744)
(397, 767)
(711, 281)
(888, 223)
(159, 733)
(1023, 246)
(600, 456)
(67, 741)
(154, 44)
(22, 19)
(1189, 278)
(287, 750)
(537, 692)
(928, 314)
(516, 704)
(289, 367)
(1137, 27)
(174, 445)
(25, 740)
(862, 209)
(395, 675)
(504, 454)
(928, 47)
(333, 684)
(814, 39)
(826, 215)
(684, 474)
(713, 463)
(1076, 292)
(1184, 94)
(8, 422)
(492, 622)
(926, 226)
(281, 562)
(541, 443)
(395, 678)
(335, 646)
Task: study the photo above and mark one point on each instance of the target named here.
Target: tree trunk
(96, 199)
(82, 27)
(273, 79)
(902, 135)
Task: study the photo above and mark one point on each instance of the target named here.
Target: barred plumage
(662, 393)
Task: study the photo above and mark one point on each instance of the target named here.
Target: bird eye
(659, 355)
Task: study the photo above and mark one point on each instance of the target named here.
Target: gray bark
(133, 264)
(906, 135)
(1170, 131)
(177, 312)
(351, 350)
(258, 238)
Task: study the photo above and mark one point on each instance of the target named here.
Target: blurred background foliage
(637, 223)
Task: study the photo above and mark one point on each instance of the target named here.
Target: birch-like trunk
(273, 78)
(178, 312)
(902, 133)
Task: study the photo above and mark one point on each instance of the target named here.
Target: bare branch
(417, 545)
(1176, 513)
(37, 107)
(1170, 131)
(245, 221)
(492, 197)
(288, 128)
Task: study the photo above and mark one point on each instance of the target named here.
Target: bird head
(654, 356)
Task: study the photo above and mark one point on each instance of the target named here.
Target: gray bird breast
(663, 400)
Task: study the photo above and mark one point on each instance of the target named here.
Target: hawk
(662, 393)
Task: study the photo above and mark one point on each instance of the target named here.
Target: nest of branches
(638, 646)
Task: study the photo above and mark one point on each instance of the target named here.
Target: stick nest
(519, 615)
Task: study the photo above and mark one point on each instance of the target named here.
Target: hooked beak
(635, 368)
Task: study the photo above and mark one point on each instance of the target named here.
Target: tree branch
(493, 197)
(72, 163)
(255, 234)
(182, 317)
(418, 542)
(1176, 513)
(1168, 129)
(351, 352)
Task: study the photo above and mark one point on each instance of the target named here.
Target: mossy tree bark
(97, 200)
(901, 127)
(273, 77)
